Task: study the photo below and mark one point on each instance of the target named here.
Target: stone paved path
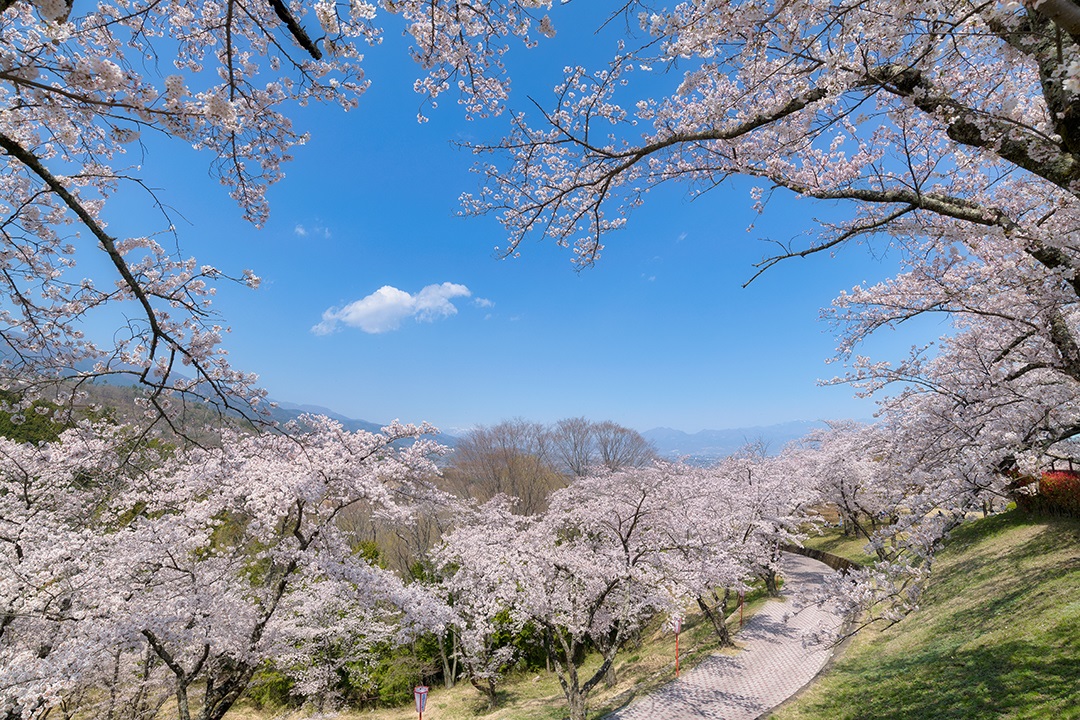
(774, 663)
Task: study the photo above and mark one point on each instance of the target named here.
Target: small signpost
(676, 622)
(420, 695)
(742, 596)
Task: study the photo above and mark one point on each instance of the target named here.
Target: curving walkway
(775, 661)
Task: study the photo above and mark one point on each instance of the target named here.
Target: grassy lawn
(846, 546)
(998, 635)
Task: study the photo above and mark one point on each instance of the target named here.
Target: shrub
(270, 689)
(1059, 492)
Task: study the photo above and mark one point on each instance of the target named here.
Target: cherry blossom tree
(189, 570)
(949, 131)
(725, 526)
(997, 401)
(587, 573)
(76, 94)
(48, 492)
(596, 572)
(707, 554)
(770, 501)
(840, 460)
(474, 583)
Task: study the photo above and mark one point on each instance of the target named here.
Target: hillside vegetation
(998, 635)
(535, 694)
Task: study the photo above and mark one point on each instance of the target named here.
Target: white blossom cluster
(211, 563)
(613, 550)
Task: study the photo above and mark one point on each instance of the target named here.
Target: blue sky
(659, 333)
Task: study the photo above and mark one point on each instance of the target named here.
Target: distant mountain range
(711, 445)
(286, 411)
(699, 448)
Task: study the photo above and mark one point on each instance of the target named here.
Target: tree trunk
(449, 670)
(576, 701)
(487, 687)
(114, 684)
(182, 711)
(562, 657)
(771, 587)
(847, 525)
(223, 691)
(716, 615)
(608, 649)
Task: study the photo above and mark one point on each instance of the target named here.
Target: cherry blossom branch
(166, 657)
(111, 103)
(953, 207)
(107, 241)
(967, 126)
(158, 334)
(855, 231)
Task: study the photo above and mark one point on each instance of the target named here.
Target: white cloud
(316, 230)
(483, 303)
(384, 309)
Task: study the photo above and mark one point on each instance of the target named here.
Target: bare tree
(581, 446)
(620, 447)
(574, 446)
(512, 458)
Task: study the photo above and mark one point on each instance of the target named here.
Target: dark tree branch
(944, 205)
(158, 335)
(298, 33)
(967, 126)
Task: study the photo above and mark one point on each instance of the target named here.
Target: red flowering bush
(1059, 492)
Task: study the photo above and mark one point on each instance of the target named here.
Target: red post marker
(420, 695)
(741, 596)
(677, 622)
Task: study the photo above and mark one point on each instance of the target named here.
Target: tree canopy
(949, 130)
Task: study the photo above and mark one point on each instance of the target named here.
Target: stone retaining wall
(840, 564)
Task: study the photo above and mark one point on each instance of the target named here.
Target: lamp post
(420, 695)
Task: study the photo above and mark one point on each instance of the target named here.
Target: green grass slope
(998, 635)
